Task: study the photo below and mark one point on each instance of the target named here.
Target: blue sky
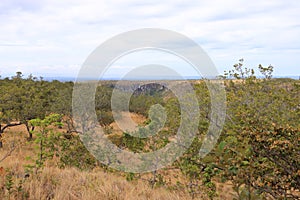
(54, 37)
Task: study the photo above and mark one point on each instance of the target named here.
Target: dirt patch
(124, 119)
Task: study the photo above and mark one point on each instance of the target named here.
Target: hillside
(45, 155)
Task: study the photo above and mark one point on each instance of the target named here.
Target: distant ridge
(66, 79)
(73, 79)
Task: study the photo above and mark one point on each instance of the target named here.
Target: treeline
(23, 99)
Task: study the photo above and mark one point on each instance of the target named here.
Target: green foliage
(266, 71)
(46, 139)
(9, 183)
(73, 153)
(130, 176)
(13, 187)
(22, 100)
(276, 160)
(209, 173)
(141, 103)
(134, 144)
(261, 137)
(105, 117)
(239, 71)
(68, 148)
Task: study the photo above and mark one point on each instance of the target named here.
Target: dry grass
(61, 184)
(124, 120)
(70, 183)
(54, 183)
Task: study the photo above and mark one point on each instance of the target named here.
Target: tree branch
(9, 125)
(8, 153)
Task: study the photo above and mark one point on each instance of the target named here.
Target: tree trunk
(5, 127)
(1, 144)
(29, 131)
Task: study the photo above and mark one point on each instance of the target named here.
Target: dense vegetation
(258, 152)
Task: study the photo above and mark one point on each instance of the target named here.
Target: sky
(53, 38)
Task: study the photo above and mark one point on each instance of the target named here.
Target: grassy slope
(71, 183)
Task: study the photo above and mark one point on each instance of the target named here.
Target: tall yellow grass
(51, 182)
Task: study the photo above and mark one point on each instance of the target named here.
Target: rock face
(150, 88)
(142, 87)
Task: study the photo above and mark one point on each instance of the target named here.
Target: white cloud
(63, 33)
